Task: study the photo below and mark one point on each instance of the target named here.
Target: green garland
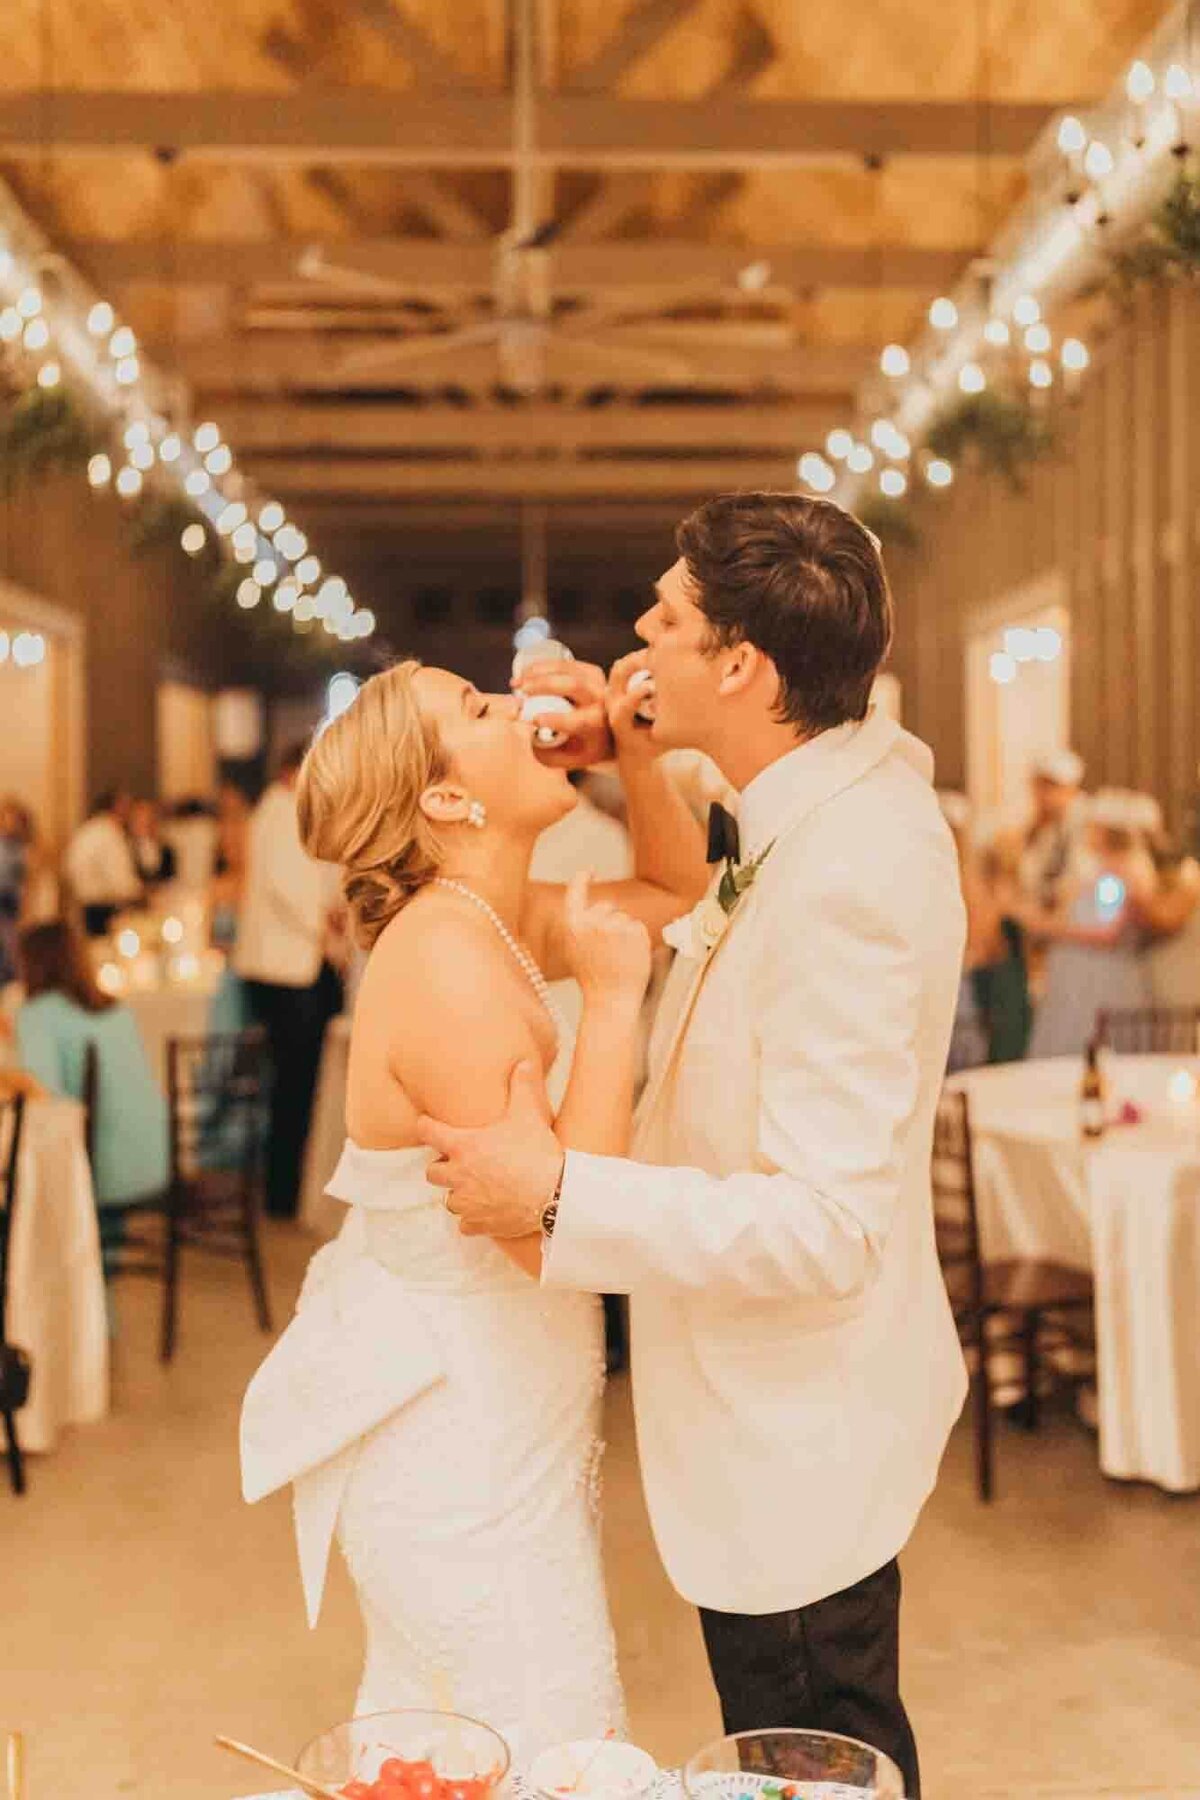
(45, 429)
(891, 521)
(1003, 429)
(1168, 248)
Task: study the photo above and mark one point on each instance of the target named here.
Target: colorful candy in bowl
(791, 1765)
(408, 1755)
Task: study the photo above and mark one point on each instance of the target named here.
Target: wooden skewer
(317, 1788)
(15, 1766)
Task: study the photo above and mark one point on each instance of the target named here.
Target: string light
(101, 319)
(839, 444)
(230, 517)
(99, 471)
(10, 324)
(49, 375)
(1038, 339)
(943, 314)
(895, 361)
(129, 482)
(893, 483)
(220, 460)
(285, 596)
(265, 572)
(36, 335)
(122, 344)
(271, 517)
(193, 539)
(249, 594)
(1177, 83)
(206, 437)
(308, 570)
(29, 302)
(1072, 138)
(1074, 354)
(305, 610)
(127, 371)
(1041, 375)
(971, 378)
(1140, 83)
(142, 456)
(197, 483)
(291, 543)
(860, 461)
(171, 448)
(1027, 311)
(938, 473)
(997, 333)
(1099, 161)
(816, 472)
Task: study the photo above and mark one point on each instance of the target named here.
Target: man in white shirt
(288, 905)
(99, 863)
(795, 1360)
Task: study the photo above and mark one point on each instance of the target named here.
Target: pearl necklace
(536, 979)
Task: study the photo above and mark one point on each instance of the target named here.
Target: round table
(1127, 1207)
(172, 1010)
(56, 1282)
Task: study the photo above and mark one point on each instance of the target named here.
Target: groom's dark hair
(803, 581)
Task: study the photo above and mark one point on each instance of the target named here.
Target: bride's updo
(357, 798)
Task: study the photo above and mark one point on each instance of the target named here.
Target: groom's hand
(589, 739)
(501, 1177)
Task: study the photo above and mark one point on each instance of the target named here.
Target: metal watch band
(550, 1211)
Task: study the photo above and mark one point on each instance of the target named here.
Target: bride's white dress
(439, 1414)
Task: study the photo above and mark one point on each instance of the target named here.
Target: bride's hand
(608, 952)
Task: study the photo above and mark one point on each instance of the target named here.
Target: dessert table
(56, 1282)
(1125, 1206)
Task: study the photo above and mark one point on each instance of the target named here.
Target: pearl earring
(477, 815)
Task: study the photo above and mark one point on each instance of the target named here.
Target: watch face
(550, 1219)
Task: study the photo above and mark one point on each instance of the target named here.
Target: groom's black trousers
(831, 1666)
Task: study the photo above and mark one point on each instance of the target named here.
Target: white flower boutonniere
(699, 932)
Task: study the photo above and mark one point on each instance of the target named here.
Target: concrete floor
(1052, 1641)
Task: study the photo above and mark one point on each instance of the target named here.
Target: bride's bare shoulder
(429, 953)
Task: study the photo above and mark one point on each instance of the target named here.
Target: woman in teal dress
(64, 1011)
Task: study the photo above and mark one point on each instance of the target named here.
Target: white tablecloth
(1128, 1208)
(167, 1012)
(56, 1283)
(327, 1133)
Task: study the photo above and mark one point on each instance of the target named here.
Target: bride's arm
(669, 869)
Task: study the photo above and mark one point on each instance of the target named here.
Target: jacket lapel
(821, 773)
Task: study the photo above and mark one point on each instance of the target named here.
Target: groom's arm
(839, 1006)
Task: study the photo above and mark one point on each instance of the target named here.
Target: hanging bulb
(171, 448)
(197, 483)
(249, 593)
(99, 471)
(839, 444)
(860, 460)
(971, 378)
(122, 343)
(308, 570)
(36, 335)
(1140, 83)
(271, 517)
(1074, 354)
(893, 483)
(1041, 375)
(938, 473)
(943, 314)
(1072, 138)
(230, 517)
(997, 333)
(1038, 340)
(29, 302)
(1177, 83)
(49, 375)
(193, 539)
(816, 472)
(142, 456)
(220, 460)
(129, 482)
(895, 361)
(265, 572)
(11, 325)
(127, 371)
(206, 437)
(101, 319)
(1099, 161)
(1027, 311)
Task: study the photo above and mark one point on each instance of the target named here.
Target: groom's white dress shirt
(796, 1366)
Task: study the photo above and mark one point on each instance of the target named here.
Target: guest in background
(1050, 842)
(1002, 984)
(1169, 907)
(155, 859)
(14, 869)
(1096, 957)
(99, 863)
(192, 835)
(290, 905)
(41, 895)
(233, 833)
(993, 1019)
(64, 1012)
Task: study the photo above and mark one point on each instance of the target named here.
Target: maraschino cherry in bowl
(408, 1755)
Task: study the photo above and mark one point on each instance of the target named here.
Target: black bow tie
(724, 840)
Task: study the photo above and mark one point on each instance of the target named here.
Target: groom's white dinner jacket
(796, 1367)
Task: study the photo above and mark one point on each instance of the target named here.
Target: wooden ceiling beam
(294, 478)
(279, 427)
(427, 62)
(273, 362)
(416, 263)
(643, 27)
(452, 128)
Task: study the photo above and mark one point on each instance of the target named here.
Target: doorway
(41, 703)
(1018, 694)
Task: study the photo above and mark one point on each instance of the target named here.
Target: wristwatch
(550, 1210)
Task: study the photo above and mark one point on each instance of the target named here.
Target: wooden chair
(14, 1364)
(217, 1097)
(999, 1307)
(1151, 1030)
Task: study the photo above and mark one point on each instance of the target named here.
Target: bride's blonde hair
(358, 798)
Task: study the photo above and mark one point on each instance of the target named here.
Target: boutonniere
(699, 932)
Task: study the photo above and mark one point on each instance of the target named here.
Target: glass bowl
(790, 1765)
(458, 1750)
(592, 1769)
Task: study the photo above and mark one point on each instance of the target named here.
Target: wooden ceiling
(407, 249)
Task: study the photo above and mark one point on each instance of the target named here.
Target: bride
(434, 1409)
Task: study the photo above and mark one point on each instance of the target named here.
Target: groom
(796, 1368)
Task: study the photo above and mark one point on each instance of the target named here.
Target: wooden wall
(62, 543)
(1116, 511)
